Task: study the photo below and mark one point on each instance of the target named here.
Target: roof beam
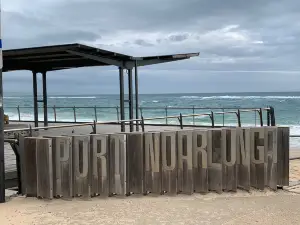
(98, 58)
(62, 55)
(40, 67)
(150, 60)
(38, 50)
(155, 61)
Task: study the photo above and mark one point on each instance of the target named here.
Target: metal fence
(213, 115)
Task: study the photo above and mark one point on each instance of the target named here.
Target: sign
(167, 162)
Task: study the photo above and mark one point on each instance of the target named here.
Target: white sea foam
(75, 97)
(8, 97)
(238, 97)
(187, 97)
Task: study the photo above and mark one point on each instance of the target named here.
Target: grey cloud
(264, 35)
(178, 37)
(142, 42)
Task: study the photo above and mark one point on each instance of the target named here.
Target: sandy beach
(239, 208)
(256, 207)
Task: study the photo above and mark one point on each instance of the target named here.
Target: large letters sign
(167, 162)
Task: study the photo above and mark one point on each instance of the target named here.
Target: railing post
(54, 112)
(94, 127)
(268, 117)
(272, 115)
(74, 110)
(118, 116)
(143, 124)
(238, 114)
(212, 119)
(141, 111)
(19, 114)
(260, 117)
(223, 117)
(181, 121)
(166, 113)
(193, 115)
(95, 111)
(30, 131)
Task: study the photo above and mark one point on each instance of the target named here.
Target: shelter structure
(59, 57)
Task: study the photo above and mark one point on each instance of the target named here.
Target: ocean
(286, 105)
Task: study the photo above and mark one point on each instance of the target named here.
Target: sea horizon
(8, 94)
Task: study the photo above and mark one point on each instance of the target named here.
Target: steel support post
(122, 108)
(35, 100)
(45, 104)
(130, 100)
(136, 95)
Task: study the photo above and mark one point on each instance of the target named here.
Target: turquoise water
(287, 107)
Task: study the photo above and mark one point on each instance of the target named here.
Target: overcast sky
(244, 45)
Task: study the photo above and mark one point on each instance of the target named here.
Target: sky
(245, 46)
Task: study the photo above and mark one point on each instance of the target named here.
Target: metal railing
(166, 111)
(142, 120)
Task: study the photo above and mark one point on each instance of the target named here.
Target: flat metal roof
(58, 57)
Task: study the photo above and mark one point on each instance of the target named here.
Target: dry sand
(239, 208)
(256, 207)
(295, 170)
